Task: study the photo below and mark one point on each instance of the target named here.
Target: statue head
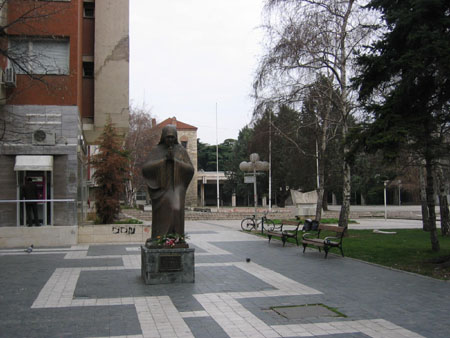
(169, 135)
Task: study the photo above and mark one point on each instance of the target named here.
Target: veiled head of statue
(169, 135)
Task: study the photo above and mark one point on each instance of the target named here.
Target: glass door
(42, 180)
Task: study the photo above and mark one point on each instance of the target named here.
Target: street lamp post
(254, 165)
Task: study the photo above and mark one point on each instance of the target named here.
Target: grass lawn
(408, 249)
(323, 221)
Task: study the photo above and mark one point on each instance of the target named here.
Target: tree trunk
(443, 205)
(346, 191)
(430, 205)
(319, 204)
(423, 201)
(345, 111)
(445, 221)
(320, 190)
(321, 167)
(282, 197)
(346, 184)
(325, 201)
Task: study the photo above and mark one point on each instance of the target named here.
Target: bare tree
(318, 104)
(307, 38)
(141, 138)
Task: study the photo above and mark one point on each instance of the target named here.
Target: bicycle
(251, 222)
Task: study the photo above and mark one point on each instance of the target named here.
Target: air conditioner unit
(43, 138)
(9, 77)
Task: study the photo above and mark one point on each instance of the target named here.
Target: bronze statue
(167, 172)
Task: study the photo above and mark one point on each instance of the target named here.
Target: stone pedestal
(167, 265)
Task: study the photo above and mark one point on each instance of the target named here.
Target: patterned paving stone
(96, 291)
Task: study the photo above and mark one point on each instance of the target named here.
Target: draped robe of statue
(168, 173)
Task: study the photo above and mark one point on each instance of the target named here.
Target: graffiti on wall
(124, 230)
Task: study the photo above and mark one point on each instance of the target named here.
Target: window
(89, 9)
(184, 144)
(39, 56)
(141, 195)
(88, 69)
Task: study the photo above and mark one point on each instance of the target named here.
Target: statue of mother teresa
(168, 173)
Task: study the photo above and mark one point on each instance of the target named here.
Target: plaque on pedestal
(167, 265)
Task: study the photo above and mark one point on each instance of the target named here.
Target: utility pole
(385, 202)
(217, 164)
(270, 160)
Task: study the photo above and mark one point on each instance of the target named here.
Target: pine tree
(404, 84)
(110, 164)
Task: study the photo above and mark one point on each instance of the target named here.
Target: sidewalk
(380, 223)
(97, 291)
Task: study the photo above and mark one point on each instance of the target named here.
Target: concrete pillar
(233, 200)
(264, 201)
(363, 200)
(333, 199)
(202, 194)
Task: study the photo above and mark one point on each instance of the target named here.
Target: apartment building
(64, 72)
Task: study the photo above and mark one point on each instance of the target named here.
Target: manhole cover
(306, 311)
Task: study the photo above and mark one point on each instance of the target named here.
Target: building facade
(65, 74)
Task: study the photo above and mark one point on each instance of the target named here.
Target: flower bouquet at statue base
(169, 241)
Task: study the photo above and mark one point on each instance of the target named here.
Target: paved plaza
(245, 287)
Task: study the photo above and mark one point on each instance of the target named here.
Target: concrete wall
(111, 66)
(48, 236)
(3, 62)
(191, 136)
(113, 233)
(8, 191)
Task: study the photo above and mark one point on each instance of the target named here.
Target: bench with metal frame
(287, 229)
(328, 242)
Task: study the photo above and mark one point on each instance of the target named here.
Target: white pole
(254, 186)
(270, 161)
(385, 204)
(317, 165)
(217, 163)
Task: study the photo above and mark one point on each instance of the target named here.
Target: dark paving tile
(103, 250)
(128, 283)
(71, 322)
(205, 327)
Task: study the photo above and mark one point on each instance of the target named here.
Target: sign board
(249, 179)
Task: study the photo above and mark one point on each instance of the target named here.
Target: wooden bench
(328, 242)
(287, 229)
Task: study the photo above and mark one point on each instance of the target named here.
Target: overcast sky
(188, 55)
